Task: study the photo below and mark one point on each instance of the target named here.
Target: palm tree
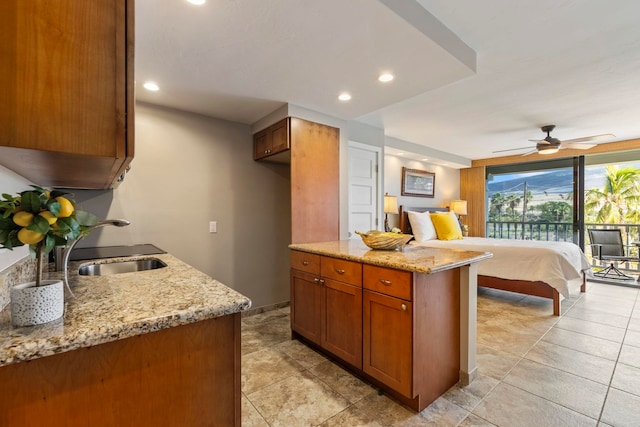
(619, 200)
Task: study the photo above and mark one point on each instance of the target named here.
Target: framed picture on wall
(418, 183)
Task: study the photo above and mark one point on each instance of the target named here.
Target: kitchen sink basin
(121, 267)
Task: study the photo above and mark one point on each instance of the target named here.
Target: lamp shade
(390, 204)
(459, 207)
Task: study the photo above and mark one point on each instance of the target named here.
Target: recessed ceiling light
(424, 160)
(385, 77)
(344, 96)
(152, 86)
(197, 2)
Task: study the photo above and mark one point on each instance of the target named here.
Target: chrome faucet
(69, 248)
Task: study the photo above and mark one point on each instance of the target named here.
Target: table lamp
(459, 207)
(390, 207)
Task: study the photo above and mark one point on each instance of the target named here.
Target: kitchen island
(157, 347)
(404, 320)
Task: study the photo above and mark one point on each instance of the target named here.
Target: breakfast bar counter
(403, 319)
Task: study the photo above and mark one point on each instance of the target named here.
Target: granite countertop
(410, 258)
(109, 308)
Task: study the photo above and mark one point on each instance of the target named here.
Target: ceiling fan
(550, 145)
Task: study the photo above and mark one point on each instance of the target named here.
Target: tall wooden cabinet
(66, 75)
(313, 150)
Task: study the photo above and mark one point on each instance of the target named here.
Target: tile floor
(582, 369)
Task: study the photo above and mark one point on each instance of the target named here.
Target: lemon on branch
(51, 218)
(29, 237)
(66, 207)
(22, 218)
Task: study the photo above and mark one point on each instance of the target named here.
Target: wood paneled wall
(473, 190)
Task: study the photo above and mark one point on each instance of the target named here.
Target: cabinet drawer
(388, 281)
(341, 270)
(304, 261)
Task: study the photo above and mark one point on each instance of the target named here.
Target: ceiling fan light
(548, 150)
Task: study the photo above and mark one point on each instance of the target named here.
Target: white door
(364, 181)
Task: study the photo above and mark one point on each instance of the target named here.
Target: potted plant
(41, 219)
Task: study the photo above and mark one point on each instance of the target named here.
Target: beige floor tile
(593, 329)
(494, 363)
(351, 388)
(299, 400)
(606, 305)
(585, 343)
(632, 338)
(621, 409)
(440, 413)
(630, 355)
(634, 324)
(470, 395)
(264, 367)
(261, 318)
(351, 417)
(627, 378)
(598, 317)
(621, 292)
(573, 392)
(509, 406)
(250, 416)
(575, 362)
(475, 421)
(299, 352)
(512, 340)
(254, 340)
(383, 410)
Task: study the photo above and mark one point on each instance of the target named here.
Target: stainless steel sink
(121, 267)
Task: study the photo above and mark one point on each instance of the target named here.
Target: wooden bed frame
(538, 289)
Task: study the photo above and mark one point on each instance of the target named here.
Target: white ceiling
(572, 63)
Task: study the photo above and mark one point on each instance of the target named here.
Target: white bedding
(559, 264)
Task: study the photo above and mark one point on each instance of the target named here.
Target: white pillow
(456, 220)
(422, 226)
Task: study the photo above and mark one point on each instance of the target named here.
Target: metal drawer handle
(321, 281)
(339, 271)
(385, 282)
(316, 280)
(305, 262)
(403, 307)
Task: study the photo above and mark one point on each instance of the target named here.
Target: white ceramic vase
(31, 305)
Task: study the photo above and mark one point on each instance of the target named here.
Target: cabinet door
(387, 343)
(306, 303)
(261, 145)
(342, 321)
(279, 136)
(67, 75)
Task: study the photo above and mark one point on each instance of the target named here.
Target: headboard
(405, 225)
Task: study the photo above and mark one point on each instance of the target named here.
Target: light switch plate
(213, 227)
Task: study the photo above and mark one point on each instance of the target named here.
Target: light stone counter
(410, 258)
(109, 308)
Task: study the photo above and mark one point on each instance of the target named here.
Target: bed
(543, 269)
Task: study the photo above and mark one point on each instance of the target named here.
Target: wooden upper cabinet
(272, 140)
(66, 76)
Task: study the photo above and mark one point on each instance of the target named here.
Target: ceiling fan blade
(577, 146)
(536, 140)
(535, 150)
(590, 138)
(512, 149)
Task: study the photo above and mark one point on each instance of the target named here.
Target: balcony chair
(606, 245)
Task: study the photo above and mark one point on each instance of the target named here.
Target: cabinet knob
(385, 282)
(305, 262)
(339, 271)
(404, 307)
(316, 280)
(266, 151)
(321, 281)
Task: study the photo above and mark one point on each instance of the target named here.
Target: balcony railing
(563, 232)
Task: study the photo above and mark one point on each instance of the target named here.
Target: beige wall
(447, 184)
(189, 170)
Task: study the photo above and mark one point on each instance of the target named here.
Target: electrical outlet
(213, 227)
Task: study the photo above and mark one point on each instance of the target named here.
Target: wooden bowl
(384, 240)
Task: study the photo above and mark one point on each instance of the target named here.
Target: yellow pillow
(446, 226)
